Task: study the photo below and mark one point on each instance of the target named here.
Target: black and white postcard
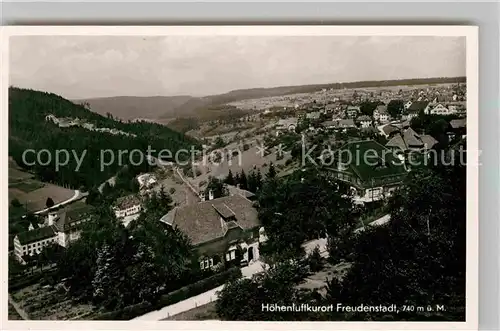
(210, 176)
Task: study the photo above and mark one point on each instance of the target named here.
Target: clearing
(32, 193)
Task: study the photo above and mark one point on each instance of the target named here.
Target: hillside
(158, 107)
(29, 128)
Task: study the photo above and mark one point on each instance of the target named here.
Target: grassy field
(32, 193)
(27, 185)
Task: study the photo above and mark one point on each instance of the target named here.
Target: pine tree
(271, 172)
(229, 179)
(105, 277)
(243, 181)
(259, 179)
(252, 181)
(49, 203)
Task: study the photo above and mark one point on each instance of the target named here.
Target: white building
(439, 109)
(380, 114)
(126, 206)
(365, 121)
(60, 228)
(288, 124)
(146, 180)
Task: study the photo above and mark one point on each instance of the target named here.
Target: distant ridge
(166, 107)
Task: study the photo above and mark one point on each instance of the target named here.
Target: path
(191, 194)
(211, 295)
(247, 272)
(19, 310)
(186, 181)
(76, 196)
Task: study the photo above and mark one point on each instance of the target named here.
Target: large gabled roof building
(215, 227)
(371, 169)
(409, 140)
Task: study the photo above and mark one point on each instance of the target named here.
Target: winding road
(77, 196)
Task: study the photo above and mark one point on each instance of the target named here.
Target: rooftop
(127, 201)
(409, 139)
(418, 106)
(202, 222)
(37, 234)
(369, 160)
(458, 123)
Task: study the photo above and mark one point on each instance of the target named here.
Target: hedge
(171, 298)
(16, 284)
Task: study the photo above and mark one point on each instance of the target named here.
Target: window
(233, 255)
(206, 263)
(228, 257)
(211, 262)
(202, 265)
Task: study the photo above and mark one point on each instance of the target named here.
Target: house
(458, 128)
(288, 124)
(219, 228)
(339, 124)
(33, 241)
(416, 108)
(235, 190)
(126, 206)
(409, 140)
(352, 111)
(146, 180)
(365, 121)
(61, 228)
(315, 115)
(457, 108)
(380, 114)
(372, 170)
(329, 125)
(438, 109)
(389, 130)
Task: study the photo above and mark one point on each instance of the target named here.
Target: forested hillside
(29, 129)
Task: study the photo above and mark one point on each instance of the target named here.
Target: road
(191, 194)
(211, 295)
(77, 196)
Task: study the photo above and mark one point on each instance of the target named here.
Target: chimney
(210, 195)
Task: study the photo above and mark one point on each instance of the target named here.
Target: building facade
(126, 206)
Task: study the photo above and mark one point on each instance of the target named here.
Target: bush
(199, 287)
(288, 162)
(171, 298)
(24, 281)
(314, 260)
(172, 190)
(246, 147)
(15, 203)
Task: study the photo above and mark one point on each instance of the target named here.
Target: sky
(79, 67)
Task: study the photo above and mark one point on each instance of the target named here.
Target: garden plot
(47, 303)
